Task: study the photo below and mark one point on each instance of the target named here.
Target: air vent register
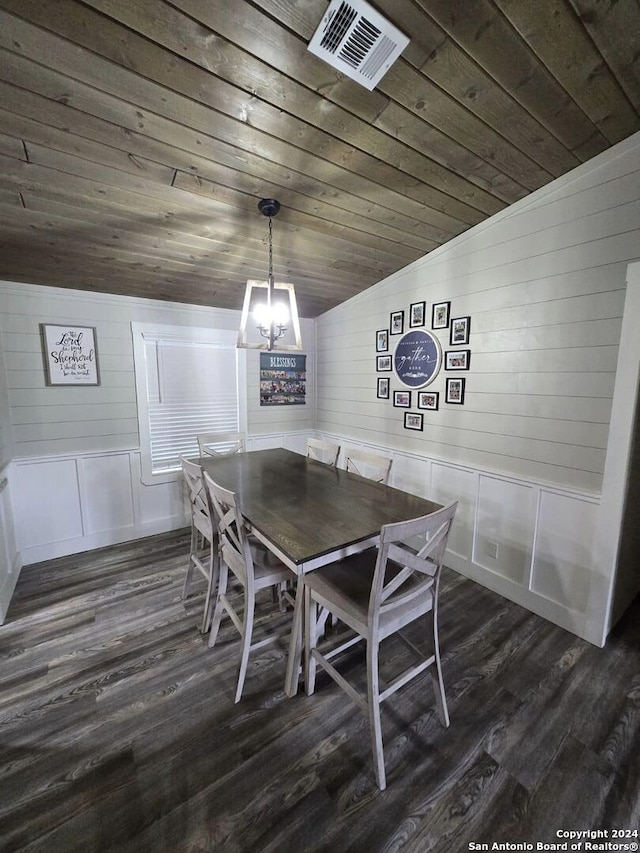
(358, 41)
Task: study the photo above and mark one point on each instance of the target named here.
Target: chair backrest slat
(198, 498)
(236, 550)
(323, 451)
(402, 574)
(369, 465)
(221, 443)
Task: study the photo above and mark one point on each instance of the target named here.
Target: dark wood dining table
(309, 514)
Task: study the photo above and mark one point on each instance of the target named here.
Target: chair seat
(268, 569)
(346, 586)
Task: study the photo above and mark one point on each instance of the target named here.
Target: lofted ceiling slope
(137, 136)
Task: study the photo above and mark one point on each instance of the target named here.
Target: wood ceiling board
(153, 128)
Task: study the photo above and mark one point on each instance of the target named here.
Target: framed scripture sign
(417, 358)
(70, 354)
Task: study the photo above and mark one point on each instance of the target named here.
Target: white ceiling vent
(358, 41)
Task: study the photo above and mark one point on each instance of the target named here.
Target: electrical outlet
(491, 549)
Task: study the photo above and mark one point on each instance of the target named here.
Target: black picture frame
(396, 322)
(383, 388)
(459, 331)
(402, 399)
(429, 400)
(417, 314)
(382, 340)
(454, 395)
(457, 359)
(440, 312)
(383, 363)
(414, 420)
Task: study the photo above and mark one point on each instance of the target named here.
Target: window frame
(191, 335)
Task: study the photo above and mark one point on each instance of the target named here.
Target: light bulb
(261, 315)
(280, 313)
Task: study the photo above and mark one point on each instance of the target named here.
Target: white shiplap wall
(75, 479)
(544, 284)
(6, 430)
(50, 420)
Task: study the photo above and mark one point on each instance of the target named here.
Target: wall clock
(417, 358)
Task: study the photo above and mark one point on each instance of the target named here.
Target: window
(188, 381)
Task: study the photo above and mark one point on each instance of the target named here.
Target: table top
(306, 509)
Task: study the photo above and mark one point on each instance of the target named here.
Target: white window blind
(189, 384)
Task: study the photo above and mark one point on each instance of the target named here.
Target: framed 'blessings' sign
(283, 379)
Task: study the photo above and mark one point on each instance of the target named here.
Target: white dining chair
(369, 465)
(221, 443)
(377, 593)
(323, 451)
(252, 565)
(203, 549)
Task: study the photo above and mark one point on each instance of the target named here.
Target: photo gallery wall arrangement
(411, 355)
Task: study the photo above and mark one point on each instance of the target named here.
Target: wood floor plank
(118, 729)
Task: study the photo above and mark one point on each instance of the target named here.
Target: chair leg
(217, 613)
(247, 631)
(295, 646)
(193, 547)
(214, 569)
(375, 723)
(310, 641)
(436, 677)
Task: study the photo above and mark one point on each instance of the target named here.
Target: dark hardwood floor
(118, 729)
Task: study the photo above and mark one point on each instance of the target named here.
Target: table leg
(295, 646)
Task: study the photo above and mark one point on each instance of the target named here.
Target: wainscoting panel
(409, 472)
(564, 545)
(503, 541)
(47, 503)
(71, 503)
(448, 484)
(528, 540)
(155, 506)
(76, 503)
(295, 441)
(105, 484)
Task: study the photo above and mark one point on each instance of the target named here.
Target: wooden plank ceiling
(137, 136)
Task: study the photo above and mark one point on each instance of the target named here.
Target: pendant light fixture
(271, 304)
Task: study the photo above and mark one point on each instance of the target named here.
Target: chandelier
(272, 310)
